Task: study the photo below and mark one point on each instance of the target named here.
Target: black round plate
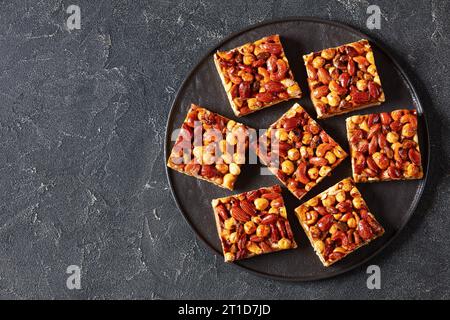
(392, 203)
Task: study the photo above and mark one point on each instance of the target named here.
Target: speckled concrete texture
(82, 123)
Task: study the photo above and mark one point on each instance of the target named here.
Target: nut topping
(256, 75)
(246, 230)
(345, 223)
(298, 151)
(392, 152)
(208, 148)
(343, 79)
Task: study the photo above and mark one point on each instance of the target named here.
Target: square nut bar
(253, 223)
(304, 150)
(385, 146)
(219, 154)
(343, 79)
(338, 222)
(256, 75)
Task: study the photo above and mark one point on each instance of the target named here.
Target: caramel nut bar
(343, 79)
(256, 75)
(298, 151)
(253, 223)
(219, 154)
(338, 222)
(385, 146)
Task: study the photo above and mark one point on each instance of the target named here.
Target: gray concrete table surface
(82, 123)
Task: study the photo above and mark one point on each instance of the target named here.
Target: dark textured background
(82, 123)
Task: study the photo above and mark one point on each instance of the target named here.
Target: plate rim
(419, 107)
